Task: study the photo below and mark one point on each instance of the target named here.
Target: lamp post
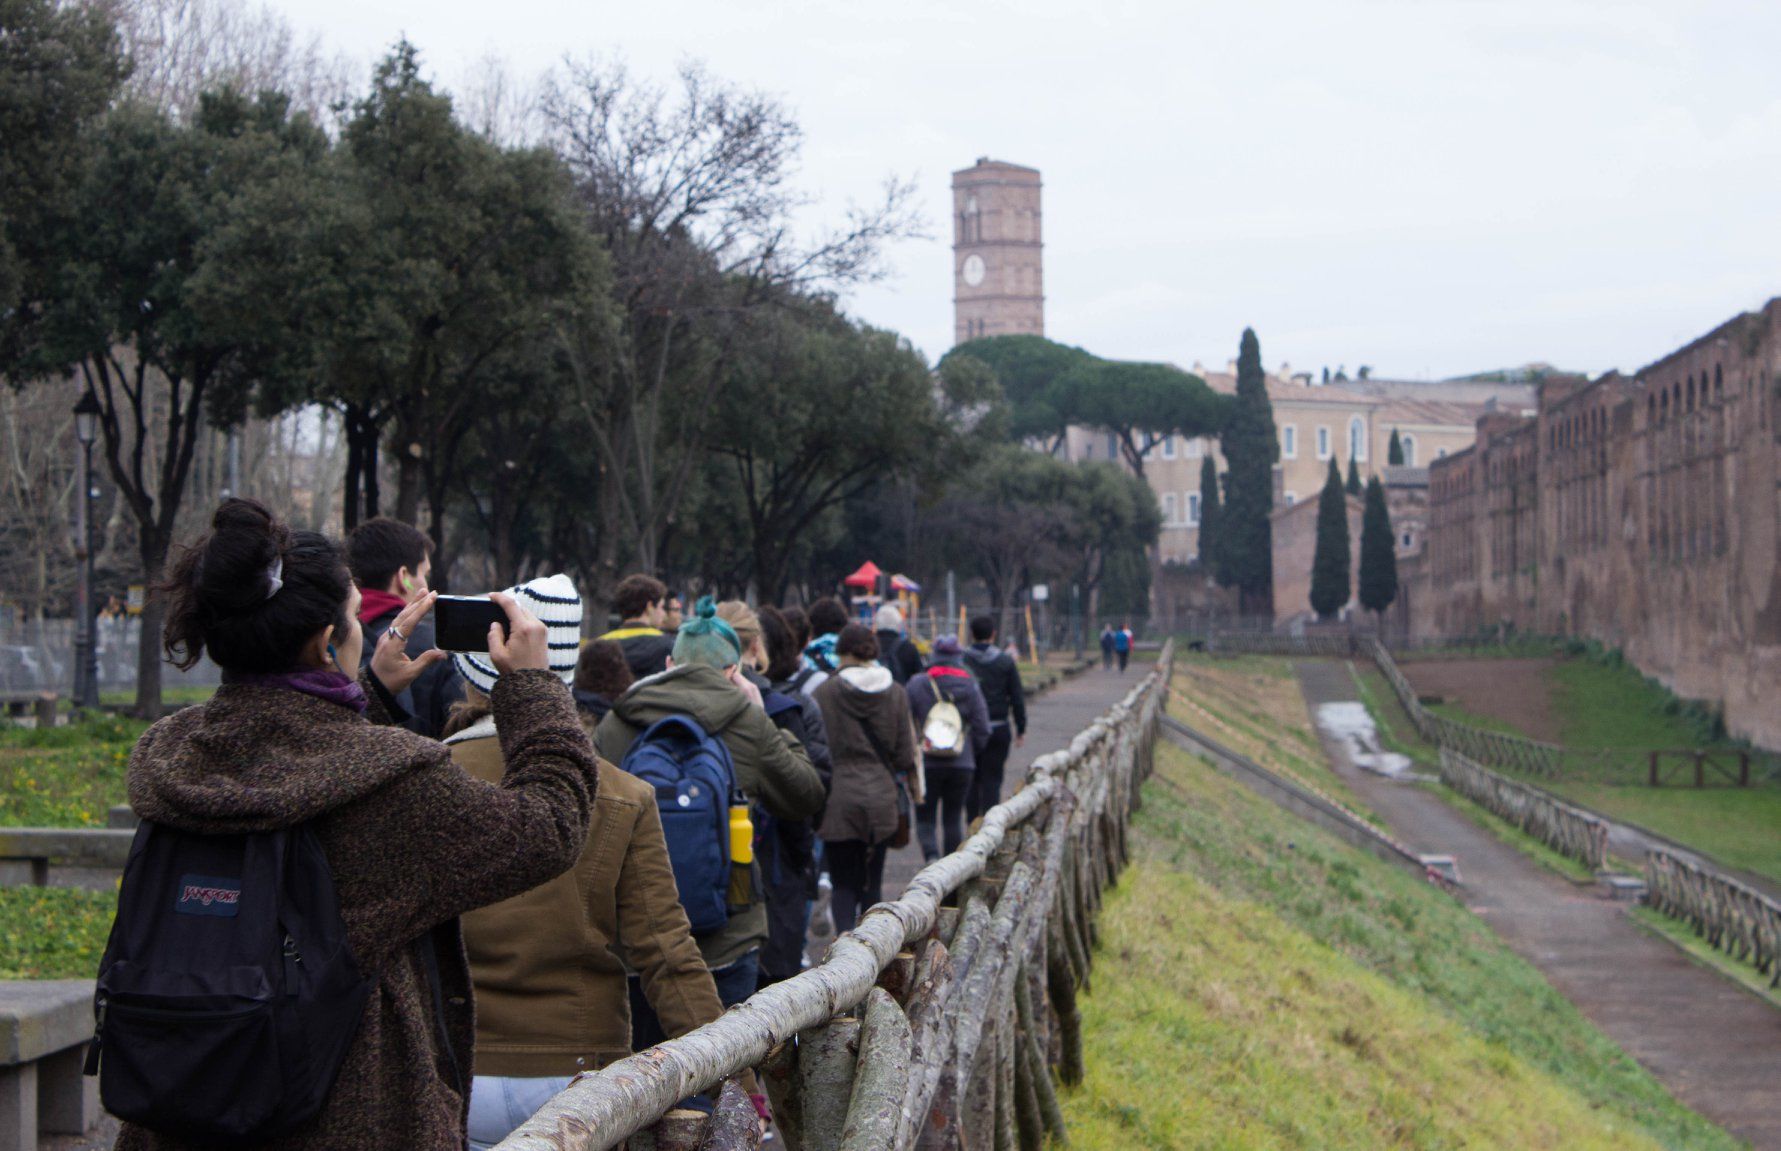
(86, 639)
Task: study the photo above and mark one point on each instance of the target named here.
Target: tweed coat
(413, 842)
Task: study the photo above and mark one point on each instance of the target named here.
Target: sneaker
(822, 917)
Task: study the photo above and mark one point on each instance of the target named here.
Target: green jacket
(772, 767)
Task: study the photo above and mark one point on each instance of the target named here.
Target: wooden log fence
(1568, 830)
(1731, 916)
(940, 1021)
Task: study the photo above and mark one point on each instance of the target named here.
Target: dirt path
(1514, 691)
(1713, 1044)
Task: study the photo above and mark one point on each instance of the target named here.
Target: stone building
(998, 283)
(1641, 511)
(1295, 548)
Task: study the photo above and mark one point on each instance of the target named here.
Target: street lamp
(86, 639)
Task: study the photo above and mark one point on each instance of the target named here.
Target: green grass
(1513, 836)
(1607, 703)
(53, 932)
(1738, 826)
(1262, 985)
(1459, 714)
(64, 776)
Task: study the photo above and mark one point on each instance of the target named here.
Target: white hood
(873, 679)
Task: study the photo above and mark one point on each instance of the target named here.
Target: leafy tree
(131, 306)
(1005, 516)
(1394, 454)
(1331, 581)
(1115, 518)
(1141, 405)
(1378, 553)
(1251, 447)
(1209, 515)
(1032, 372)
(1353, 486)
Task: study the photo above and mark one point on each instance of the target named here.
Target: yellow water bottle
(741, 854)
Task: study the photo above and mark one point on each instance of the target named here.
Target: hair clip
(275, 577)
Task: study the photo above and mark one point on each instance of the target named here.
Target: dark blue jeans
(949, 788)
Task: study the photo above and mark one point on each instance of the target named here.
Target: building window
(1406, 539)
(1169, 447)
(1357, 439)
(1408, 443)
(1289, 441)
(1323, 443)
(1193, 509)
(1168, 507)
(1196, 448)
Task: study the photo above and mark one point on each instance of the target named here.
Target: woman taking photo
(290, 742)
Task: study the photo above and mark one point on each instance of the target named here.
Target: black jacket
(999, 677)
(430, 698)
(900, 655)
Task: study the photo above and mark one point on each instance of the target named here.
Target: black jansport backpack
(228, 994)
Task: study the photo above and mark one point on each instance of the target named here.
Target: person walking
(1107, 642)
(948, 708)
(704, 682)
(549, 965)
(291, 743)
(867, 714)
(999, 678)
(785, 849)
(827, 618)
(896, 651)
(391, 563)
(640, 602)
(602, 674)
(1122, 646)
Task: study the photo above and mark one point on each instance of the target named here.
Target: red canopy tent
(866, 577)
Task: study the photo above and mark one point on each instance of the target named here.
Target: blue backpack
(694, 782)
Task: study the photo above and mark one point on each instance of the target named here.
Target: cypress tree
(1330, 568)
(1378, 553)
(1354, 485)
(1394, 455)
(1251, 446)
(1209, 517)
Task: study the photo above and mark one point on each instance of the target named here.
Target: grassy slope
(1261, 984)
(64, 776)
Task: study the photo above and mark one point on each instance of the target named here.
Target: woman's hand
(745, 685)
(390, 662)
(526, 645)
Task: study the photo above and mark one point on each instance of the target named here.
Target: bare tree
(497, 105)
(37, 486)
(694, 199)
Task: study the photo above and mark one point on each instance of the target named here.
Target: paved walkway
(1713, 1044)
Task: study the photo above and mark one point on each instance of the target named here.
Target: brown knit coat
(413, 842)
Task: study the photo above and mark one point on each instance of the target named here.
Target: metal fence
(40, 656)
(943, 1013)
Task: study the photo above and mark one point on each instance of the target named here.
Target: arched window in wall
(1408, 443)
(1357, 438)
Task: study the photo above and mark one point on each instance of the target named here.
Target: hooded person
(411, 841)
(947, 778)
(704, 682)
(550, 965)
(874, 751)
(896, 651)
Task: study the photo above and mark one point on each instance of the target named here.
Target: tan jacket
(549, 965)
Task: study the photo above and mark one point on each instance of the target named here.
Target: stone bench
(37, 848)
(39, 704)
(44, 1029)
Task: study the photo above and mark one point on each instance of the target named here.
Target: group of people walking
(386, 895)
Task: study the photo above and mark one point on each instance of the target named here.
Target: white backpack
(943, 732)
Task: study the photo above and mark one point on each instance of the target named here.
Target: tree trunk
(154, 617)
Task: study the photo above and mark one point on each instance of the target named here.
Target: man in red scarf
(391, 562)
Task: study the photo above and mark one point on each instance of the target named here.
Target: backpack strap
(878, 749)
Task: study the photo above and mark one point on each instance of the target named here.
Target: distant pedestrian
(1122, 646)
(827, 618)
(1107, 643)
(392, 562)
(953, 722)
(641, 604)
(998, 675)
(896, 651)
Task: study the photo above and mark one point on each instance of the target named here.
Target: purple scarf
(319, 682)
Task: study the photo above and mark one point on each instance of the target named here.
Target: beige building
(998, 284)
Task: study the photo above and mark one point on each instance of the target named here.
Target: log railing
(937, 1021)
(1568, 830)
(1730, 916)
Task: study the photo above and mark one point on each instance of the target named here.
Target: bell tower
(998, 288)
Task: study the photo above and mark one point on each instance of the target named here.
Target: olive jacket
(772, 768)
(413, 842)
(550, 965)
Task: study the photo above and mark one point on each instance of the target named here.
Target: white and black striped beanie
(556, 603)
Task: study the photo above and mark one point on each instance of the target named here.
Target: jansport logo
(207, 895)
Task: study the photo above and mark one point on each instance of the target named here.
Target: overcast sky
(1431, 187)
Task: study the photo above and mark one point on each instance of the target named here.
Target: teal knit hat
(706, 639)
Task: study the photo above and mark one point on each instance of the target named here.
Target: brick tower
(998, 287)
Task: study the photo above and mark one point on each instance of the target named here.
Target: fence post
(1743, 769)
(1654, 781)
(1700, 774)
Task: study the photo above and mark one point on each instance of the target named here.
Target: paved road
(1715, 1045)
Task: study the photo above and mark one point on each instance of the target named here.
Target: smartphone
(461, 622)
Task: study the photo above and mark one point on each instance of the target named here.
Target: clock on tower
(998, 286)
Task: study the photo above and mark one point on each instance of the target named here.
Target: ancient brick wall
(1640, 511)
